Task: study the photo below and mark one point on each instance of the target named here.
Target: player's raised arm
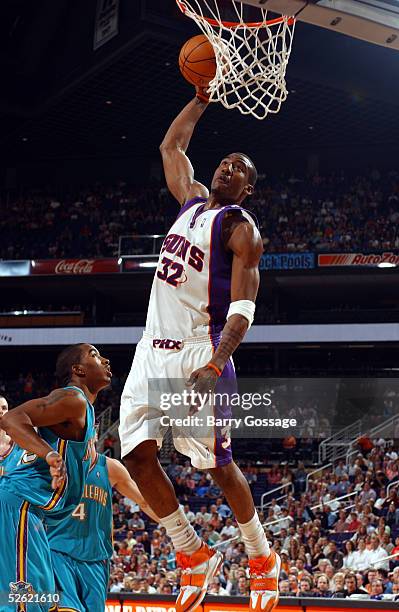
(179, 172)
(246, 244)
(120, 479)
(60, 406)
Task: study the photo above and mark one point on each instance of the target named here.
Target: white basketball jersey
(190, 293)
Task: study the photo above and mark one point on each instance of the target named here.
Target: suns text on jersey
(181, 247)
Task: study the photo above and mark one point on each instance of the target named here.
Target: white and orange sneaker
(198, 569)
(264, 574)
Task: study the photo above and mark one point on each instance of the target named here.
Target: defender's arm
(120, 479)
(60, 406)
(179, 172)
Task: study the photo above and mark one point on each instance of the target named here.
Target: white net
(251, 57)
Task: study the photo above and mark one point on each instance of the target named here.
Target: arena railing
(391, 486)
(287, 485)
(142, 244)
(386, 429)
(347, 496)
(328, 448)
(320, 469)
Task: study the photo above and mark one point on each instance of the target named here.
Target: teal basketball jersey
(30, 480)
(10, 460)
(86, 535)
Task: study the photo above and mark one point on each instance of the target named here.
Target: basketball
(197, 61)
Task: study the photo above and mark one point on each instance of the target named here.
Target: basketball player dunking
(202, 303)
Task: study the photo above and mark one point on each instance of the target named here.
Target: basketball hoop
(251, 58)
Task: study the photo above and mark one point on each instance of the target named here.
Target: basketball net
(251, 58)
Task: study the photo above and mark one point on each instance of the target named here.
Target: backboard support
(374, 21)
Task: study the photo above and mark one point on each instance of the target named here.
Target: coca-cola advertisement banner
(381, 260)
(74, 266)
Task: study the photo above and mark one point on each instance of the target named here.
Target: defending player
(10, 453)
(202, 303)
(81, 545)
(50, 479)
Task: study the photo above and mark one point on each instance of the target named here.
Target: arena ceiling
(343, 93)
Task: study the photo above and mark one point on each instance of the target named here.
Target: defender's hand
(57, 469)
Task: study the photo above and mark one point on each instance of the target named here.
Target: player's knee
(224, 473)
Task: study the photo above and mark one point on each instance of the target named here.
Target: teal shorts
(26, 574)
(82, 585)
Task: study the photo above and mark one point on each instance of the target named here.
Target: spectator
(377, 589)
(222, 509)
(338, 587)
(335, 556)
(377, 553)
(351, 587)
(136, 523)
(306, 587)
(361, 559)
(284, 588)
(189, 513)
(215, 588)
(322, 586)
(350, 555)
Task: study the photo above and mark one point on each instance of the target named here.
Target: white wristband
(246, 308)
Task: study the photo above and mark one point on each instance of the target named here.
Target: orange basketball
(197, 61)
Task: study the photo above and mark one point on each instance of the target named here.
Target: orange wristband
(212, 366)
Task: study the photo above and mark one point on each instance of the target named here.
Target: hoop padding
(251, 58)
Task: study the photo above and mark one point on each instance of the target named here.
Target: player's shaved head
(69, 357)
(252, 171)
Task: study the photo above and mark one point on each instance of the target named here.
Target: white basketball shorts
(143, 419)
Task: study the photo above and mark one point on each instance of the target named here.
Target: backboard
(375, 21)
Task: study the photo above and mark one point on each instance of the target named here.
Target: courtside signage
(75, 267)
(142, 606)
(161, 606)
(287, 261)
(357, 259)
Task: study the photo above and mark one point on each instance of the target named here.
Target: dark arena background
(88, 91)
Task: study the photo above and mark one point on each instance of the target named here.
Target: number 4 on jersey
(80, 512)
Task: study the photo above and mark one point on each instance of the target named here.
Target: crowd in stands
(335, 212)
(329, 547)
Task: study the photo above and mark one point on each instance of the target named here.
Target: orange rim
(233, 24)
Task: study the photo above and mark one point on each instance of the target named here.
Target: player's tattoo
(231, 339)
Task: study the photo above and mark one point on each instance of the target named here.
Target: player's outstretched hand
(202, 94)
(202, 381)
(57, 469)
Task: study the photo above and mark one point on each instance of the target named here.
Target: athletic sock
(182, 534)
(254, 538)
